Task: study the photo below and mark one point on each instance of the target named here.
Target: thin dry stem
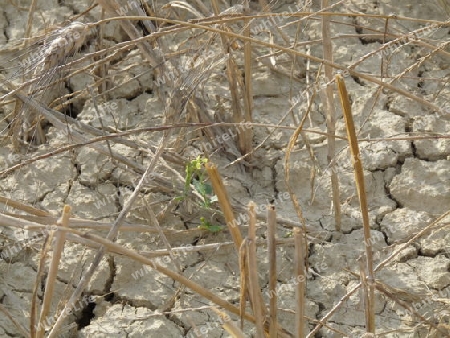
(254, 286)
(23, 207)
(331, 116)
(299, 273)
(34, 321)
(243, 269)
(228, 325)
(272, 253)
(365, 290)
(224, 201)
(360, 186)
(247, 134)
(58, 247)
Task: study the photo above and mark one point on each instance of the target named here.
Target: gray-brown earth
(407, 184)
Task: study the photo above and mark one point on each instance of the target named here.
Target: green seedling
(196, 175)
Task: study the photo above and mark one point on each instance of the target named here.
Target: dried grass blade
(247, 135)
(20, 206)
(331, 115)
(290, 146)
(228, 325)
(360, 186)
(224, 201)
(272, 252)
(237, 116)
(299, 272)
(232, 76)
(364, 288)
(259, 310)
(41, 269)
(186, 7)
(60, 238)
(244, 280)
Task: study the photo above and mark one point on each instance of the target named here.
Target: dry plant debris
(198, 169)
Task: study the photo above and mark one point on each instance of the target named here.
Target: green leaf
(208, 189)
(199, 186)
(205, 225)
(211, 228)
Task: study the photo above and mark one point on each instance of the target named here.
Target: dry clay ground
(407, 183)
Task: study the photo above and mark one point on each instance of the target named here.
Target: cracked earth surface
(407, 185)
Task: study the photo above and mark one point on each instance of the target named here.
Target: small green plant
(196, 175)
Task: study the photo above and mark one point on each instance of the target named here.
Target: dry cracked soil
(407, 181)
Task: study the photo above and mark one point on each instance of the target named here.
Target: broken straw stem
(360, 187)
